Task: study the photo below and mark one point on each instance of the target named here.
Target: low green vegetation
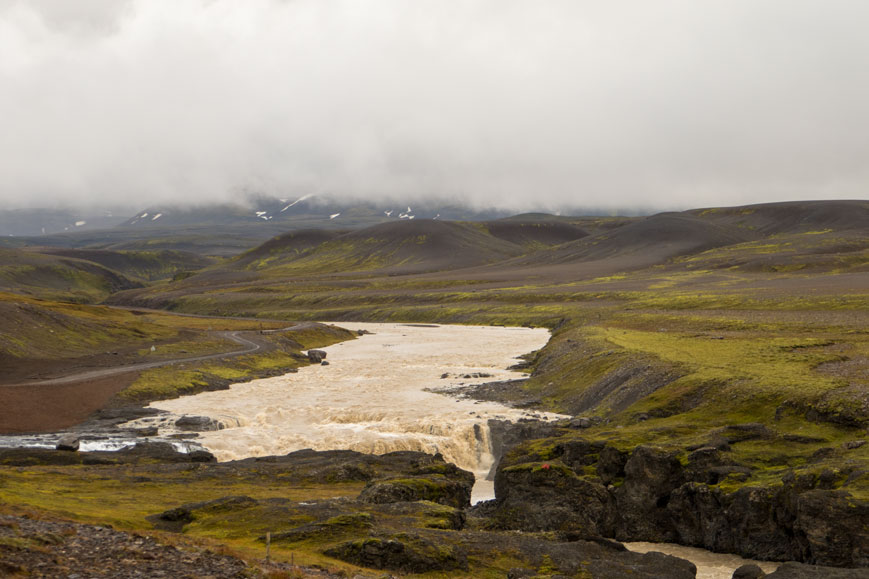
(763, 329)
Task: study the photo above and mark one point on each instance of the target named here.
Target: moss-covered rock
(404, 553)
(434, 488)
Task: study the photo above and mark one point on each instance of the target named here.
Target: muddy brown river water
(373, 397)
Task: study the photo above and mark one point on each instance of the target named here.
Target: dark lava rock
(405, 553)
(316, 356)
(611, 464)
(324, 363)
(748, 431)
(330, 529)
(435, 488)
(64, 549)
(659, 500)
(197, 423)
(158, 452)
(651, 475)
(834, 527)
(142, 451)
(146, 431)
(750, 571)
(172, 520)
(793, 570)
(549, 496)
(69, 442)
(506, 435)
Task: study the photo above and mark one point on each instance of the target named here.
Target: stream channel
(377, 394)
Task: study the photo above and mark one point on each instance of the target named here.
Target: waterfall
(374, 397)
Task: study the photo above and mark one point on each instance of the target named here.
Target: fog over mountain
(514, 103)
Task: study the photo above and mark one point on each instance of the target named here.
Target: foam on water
(372, 397)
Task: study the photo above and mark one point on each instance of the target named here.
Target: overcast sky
(523, 104)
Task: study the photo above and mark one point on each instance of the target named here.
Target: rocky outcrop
(799, 571)
(435, 488)
(405, 553)
(650, 495)
(198, 424)
(156, 452)
(505, 435)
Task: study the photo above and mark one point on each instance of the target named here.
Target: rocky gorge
(571, 495)
(593, 489)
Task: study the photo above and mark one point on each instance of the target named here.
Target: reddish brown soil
(44, 408)
(62, 399)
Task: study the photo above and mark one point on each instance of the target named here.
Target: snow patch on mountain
(299, 200)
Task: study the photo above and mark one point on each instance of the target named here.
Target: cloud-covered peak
(520, 104)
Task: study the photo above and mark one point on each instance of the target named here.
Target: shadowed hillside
(535, 234)
(142, 265)
(399, 247)
(57, 277)
(790, 217)
(644, 242)
(284, 247)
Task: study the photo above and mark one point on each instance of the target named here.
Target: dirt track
(252, 346)
(57, 403)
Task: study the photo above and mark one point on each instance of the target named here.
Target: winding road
(251, 345)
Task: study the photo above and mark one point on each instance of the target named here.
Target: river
(373, 397)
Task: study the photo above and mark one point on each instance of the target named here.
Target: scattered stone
(750, 571)
(77, 550)
(68, 442)
(146, 431)
(316, 356)
(852, 444)
(324, 363)
(791, 570)
(197, 423)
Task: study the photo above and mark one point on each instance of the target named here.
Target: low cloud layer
(521, 104)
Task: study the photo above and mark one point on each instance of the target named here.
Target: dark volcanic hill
(790, 217)
(285, 246)
(535, 233)
(643, 242)
(402, 246)
(143, 265)
(57, 277)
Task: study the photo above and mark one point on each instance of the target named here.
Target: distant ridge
(790, 216)
(400, 246)
(645, 241)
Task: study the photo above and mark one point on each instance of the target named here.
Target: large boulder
(68, 442)
(316, 356)
(651, 475)
(834, 527)
(792, 570)
(405, 553)
(550, 496)
(435, 488)
(197, 423)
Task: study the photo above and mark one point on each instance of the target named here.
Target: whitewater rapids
(372, 397)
